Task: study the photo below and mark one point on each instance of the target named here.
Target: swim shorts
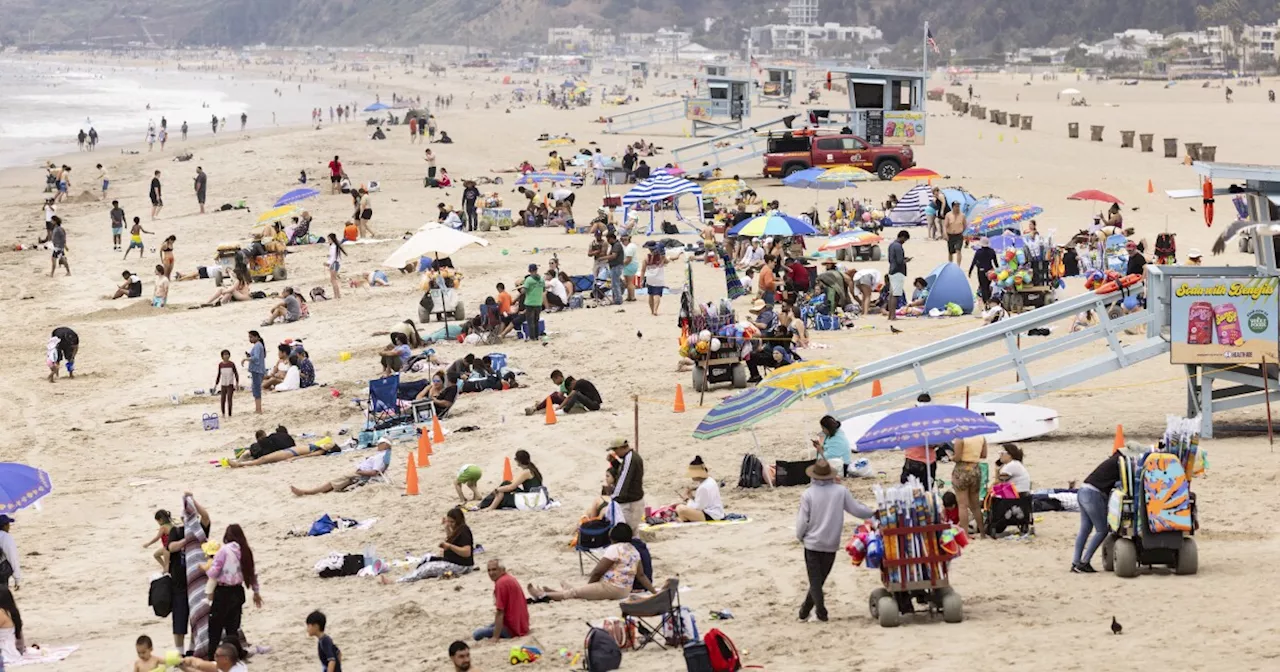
(955, 242)
(469, 474)
(157, 302)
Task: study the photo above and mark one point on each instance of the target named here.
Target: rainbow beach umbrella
(773, 224)
(744, 410)
(916, 174)
(810, 379)
(846, 175)
(995, 219)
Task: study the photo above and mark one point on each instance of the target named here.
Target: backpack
(723, 654)
(752, 473)
(600, 652)
(159, 596)
(670, 229)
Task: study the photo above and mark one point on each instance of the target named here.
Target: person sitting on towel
(525, 479)
(368, 469)
(456, 552)
(378, 134)
(704, 499)
(613, 576)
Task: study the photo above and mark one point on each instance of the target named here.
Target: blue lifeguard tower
(887, 107)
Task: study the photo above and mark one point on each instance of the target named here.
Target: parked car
(792, 152)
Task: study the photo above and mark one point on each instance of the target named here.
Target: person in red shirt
(413, 130)
(797, 276)
(511, 618)
(335, 175)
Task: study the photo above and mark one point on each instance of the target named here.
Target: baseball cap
(617, 443)
(5, 520)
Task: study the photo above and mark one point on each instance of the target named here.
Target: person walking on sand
(184, 131)
(201, 184)
(334, 263)
(117, 224)
(232, 570)
(244, 119)
(255, 360)
(9, 567)
(820, 527)
(156, 196)
(57, 239)
(954, 224)
(104, 180)
(163, 137)
(335, 175)
(365, 208)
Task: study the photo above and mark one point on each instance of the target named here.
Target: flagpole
(924, 49)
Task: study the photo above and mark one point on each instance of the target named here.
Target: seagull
(1236, 228)
(1116, 628)
(894, 329)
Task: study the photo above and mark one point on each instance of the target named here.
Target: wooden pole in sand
(635, 398)
(966, 397)
(1266, 391)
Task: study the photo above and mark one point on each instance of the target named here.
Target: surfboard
(1018, 422)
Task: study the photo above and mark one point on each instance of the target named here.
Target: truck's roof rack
(800, 132)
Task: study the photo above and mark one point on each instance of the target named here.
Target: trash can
(1170, 148)
(1209, 153)
(1095, 133)
(1026, 123)
(1145, 139)
(964, 107)
(993, 116)
(1193, 150)
(1015, 120)
(1126, 138)
(1073, 130)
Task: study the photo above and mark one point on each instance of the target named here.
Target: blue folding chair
(384, 408)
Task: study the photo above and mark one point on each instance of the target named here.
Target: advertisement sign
(1224, 320)
(698, 109)
(903, 128)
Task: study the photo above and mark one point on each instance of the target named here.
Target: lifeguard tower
(713, 70)
(639, 72)
(778, 86)
(887, 107)
(722, 104)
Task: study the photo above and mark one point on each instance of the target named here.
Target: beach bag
(723, 654)
(751, 475)
(791, 473)
(600, 652)
(210, 421)
(536, 500)
(696, 658)
(622, 631)
(688, 628)
(160, 596)
(826, 323)
(670, 229)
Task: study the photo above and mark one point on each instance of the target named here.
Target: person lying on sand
(612, 577)
(368, 469)
(325, 446)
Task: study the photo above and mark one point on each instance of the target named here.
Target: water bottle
(369, 555)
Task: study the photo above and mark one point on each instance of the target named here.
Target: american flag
(755, 65)
(928, 36)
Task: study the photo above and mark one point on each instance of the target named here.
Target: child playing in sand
(468, 475)
(226, 383)
(147, 660)
(165, 521)
(330, 654)
(135, 238)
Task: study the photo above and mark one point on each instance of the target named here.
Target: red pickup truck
(792, 152)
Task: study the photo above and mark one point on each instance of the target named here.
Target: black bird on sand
(1116, 628)
(894, 329)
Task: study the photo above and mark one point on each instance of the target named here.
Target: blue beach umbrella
(21, 486)
(744, 410)
(295, 196)
(808, 179)
(377, 107)
(773, 224)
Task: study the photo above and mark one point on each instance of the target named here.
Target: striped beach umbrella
(811, 379)
(995, 219)
(744, 410)
(773, 224)
(856, 237)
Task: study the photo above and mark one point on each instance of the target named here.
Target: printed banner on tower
(1224, 320)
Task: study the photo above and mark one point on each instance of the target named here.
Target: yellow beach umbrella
(719, 188)
(277, 213)
(846, 174)
(812, 379)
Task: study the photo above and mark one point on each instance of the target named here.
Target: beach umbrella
(1069, 92)
(377, 107)
(744, 410)
(773, 224)
(675, 171)
(297, 195)
(719, 188)
(277, 213)
(855, 237)
(845, 175)
(544, 176)
(1094, 195)
(915, 174)
(811, 379)
(434, 239)
(1005, 240)
(998, 218)
(21, 486)
(808, 179)
(929, 425)
(964, 198)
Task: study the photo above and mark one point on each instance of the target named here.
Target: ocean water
(45, 104)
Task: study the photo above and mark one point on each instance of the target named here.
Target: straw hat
(822, 471)
(1194, 254)
(756, 306)
(698, 469)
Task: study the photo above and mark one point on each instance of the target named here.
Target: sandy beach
(118, 447)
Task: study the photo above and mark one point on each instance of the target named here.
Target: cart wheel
(460, 312)
(952, 607)
(887, 611)
(1109, 553)
(875, 253)
(1188, 557)
(699, 380)
(740, 376)
(1126, 558)
(874, 601)
(281, 274)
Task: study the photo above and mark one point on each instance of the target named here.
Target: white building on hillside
(580, 38)
(786, 40)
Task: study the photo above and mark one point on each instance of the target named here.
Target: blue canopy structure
(657, 189)
(948, 284)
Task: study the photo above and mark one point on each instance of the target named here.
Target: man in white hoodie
(9, 562)
(820, 527)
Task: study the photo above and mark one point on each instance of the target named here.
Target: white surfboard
(1018, 422)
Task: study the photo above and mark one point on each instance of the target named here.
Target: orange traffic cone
(876, 390)
(506, 470)
(411, 478)
(551, 412)
(1119, 442)
(437, 432)
(679, 407)
(424, 461)
(1151, 188)
(424, 446)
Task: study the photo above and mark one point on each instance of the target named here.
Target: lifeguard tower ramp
(728, 149)
(997, 348)
(647, 116)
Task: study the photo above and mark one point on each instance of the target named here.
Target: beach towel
(197, 601)
(733, 286)
(1168, 495)
(34, 656)
(669, 526)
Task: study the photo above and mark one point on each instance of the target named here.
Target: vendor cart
(1134, 540)
(1019, 299)
(859, 253)
(723, 367)
(930, 591)
(263, 267)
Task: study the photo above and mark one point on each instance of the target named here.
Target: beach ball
(715, 345)
(535, 250)
(992, 275)
(702, 347)
(505, 251)
(866, 216)
(704, 336)
(344, 356)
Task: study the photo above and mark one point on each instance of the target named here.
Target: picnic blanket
(196, 579)
(35, 656)
(669, 526)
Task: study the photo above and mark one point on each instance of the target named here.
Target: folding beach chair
(593, 535)
(424, 411)
(666, 606)
(384, 478)
(383, 406)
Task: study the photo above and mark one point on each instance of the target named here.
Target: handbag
(534, 500)
(160, 595)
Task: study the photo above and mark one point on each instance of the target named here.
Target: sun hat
(384, 440)
(1194, 254)
(757, 306)
(821, 471)
(698, 469)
